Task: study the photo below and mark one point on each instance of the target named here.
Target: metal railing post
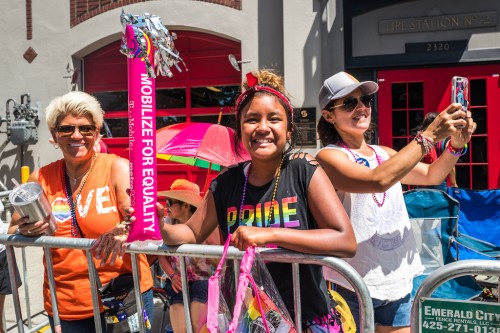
(52, 287)
(11, 260)
(296, 296)
(93, 290)
(26, 287)
(137, 292)
(185, 295)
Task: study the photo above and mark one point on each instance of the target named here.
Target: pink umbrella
(201, 144)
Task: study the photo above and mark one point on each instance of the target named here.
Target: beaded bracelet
(457, 152)
(426, 142)
(171, 276)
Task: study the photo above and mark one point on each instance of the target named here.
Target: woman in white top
(367, 178)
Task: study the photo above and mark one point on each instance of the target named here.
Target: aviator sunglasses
(350, 103)
(68, 130)
(172, 202)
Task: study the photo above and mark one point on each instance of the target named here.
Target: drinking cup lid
(24, 194)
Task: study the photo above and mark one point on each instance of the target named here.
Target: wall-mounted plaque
(305, 120)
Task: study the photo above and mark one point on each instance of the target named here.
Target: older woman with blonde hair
(87, 192)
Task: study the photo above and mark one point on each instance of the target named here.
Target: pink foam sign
(142, 143)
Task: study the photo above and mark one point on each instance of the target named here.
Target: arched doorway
(208, 86)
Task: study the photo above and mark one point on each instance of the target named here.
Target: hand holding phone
(460, 92)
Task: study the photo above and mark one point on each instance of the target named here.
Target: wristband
(457, 152)
(426, 142)
(171, 276)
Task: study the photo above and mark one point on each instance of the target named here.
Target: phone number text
(452, 327)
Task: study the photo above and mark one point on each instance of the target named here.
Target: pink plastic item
(254, 309)
(142, 142)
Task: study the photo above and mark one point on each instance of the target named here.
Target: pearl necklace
(361, 160)
(271, 209)
(75, 228)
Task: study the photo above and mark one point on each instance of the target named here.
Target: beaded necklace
(361, 160)
(271, 209)
(75, 228)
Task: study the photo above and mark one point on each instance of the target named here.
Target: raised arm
(401, 166)
(435, 173)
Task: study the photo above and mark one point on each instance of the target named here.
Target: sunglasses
(68, 130)
(172, 202)
(350, 103)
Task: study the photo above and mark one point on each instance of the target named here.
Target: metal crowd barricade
(4, 197)
(446, 273)
(186, 250)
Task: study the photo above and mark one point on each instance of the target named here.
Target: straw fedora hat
(185, 191)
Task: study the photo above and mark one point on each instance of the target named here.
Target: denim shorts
(387, 313)
(198, 291)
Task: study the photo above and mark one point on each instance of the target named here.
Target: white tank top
(387, 256)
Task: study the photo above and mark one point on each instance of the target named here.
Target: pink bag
(218, 313)
(258, 305)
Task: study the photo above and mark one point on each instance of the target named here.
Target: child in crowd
(182, 200)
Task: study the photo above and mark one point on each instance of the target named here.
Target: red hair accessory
(252, 80)
(253, 87)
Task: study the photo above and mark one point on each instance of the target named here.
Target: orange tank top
(96, 213)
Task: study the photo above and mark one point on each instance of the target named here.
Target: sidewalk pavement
(34, 283)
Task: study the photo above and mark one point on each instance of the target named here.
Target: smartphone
(460, 92)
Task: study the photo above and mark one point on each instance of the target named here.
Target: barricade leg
(26, 288)
(52, 286)
(11, 259)
(296, 297)
(137, 291)
(93, 289)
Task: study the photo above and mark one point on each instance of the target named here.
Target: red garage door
(405, 96)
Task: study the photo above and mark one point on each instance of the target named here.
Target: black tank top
(290, 211)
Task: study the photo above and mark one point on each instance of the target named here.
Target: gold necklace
(74, 180)
(75, 228)
(271, 208)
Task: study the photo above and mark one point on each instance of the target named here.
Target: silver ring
(28, 232)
